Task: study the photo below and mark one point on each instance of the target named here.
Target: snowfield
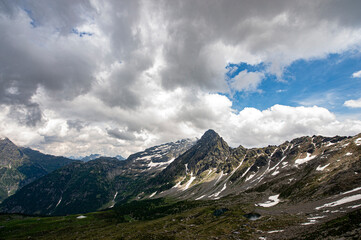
(304, 160)
(272, 201)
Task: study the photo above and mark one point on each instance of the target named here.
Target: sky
(115, 77)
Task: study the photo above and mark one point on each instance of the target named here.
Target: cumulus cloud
(247, 81)
(148, 72)
(353, 103)
(253, 127)
(357, 74)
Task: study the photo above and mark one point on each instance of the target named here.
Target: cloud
(247, 81)
(353, 103)
(357, 74)
(152, 70)
(123, 135)
(252, 127)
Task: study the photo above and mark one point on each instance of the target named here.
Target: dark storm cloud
(29, 114)
(32, 58)
(122, 135)
(76, 124)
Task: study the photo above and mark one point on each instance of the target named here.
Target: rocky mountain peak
(6, 141)
(10, 154)
(209, 134)
(211, 140)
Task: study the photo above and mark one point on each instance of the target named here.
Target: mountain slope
(20, 166)
(97, 184)
(306, 170)
(75, 188)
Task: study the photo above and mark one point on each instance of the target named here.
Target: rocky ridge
(317, 173)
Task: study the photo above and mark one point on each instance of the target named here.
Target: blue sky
(325, 82)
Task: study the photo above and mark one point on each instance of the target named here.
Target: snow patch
(319, 168)
(219, 178)
(309, 223)
(275, 231)
(148, 158)
(81, 217)
(353, 190)
(348, 154)
(276, 166)
(224, 188)
(189, 182)
(355, 206)
(179, 183)
(304, 160)
(160, 164)
(315, 217)
(312, 220)
(272, 201)
(244, 174)
(200, 197)
(358, 141)
(59, 201)
(152, 195)
(341, 201)
(115, 195)
(329, 144)
(250, 177)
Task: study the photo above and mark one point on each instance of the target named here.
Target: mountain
(78, 187)
(307, 168)
(307, 188)
(119, 157)
(90, 157)
(97, 184)
(93, 157)
(20, 166)
(296, 188)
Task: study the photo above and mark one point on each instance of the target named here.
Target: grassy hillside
(166, 219)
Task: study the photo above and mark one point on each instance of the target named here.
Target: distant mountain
(93, 185)
(305, 170)
(119, 157)
(92, 157)
(20, 166)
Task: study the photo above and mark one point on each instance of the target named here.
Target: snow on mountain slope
(159, 157)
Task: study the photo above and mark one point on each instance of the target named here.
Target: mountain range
(20, 166)
(94, 156)
(309, 181)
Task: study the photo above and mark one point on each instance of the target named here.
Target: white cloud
(357, 74)
(252, 127)
(170, 117)
(150, 70)
(247, 81)
(353, 103)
